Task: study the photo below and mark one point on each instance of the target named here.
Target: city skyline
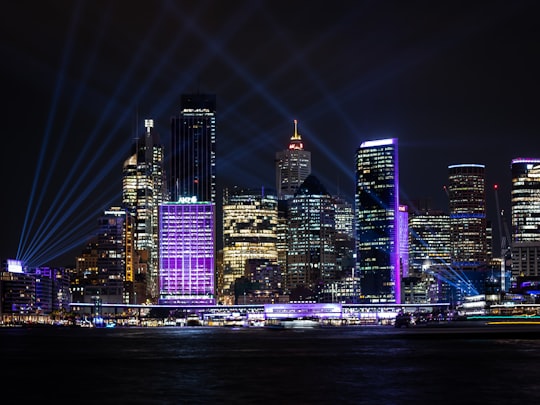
(454, 83)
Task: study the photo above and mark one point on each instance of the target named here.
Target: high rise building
(311, 255)
(377, 220)
(187, 252)
(429, 257)
(293, 165)
(193, 149)
(250, 219)
(143, 189)
(345, 242)
(525, 203)
(525, 200)
(468, 223)
(429, 240)
(101, 269)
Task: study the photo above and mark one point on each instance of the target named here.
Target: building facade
(143, 189)
(311, 253)
(377, 220)
(187, 252)
(525, 207)
(468, 224)
(250, 220)
(193, 149)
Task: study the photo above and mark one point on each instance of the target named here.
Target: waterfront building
(52, 289)
(377, 221)
(193, 149)
(143, 189)
(187, 252)
(17, 290)
(525, 205)
(250, 220)
(101, 268)
(311, 254)
(293, 165)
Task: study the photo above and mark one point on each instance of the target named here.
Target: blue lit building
(187, 252)
(377, 221)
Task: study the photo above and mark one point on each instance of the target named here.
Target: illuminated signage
(187, 200)
(14, 266)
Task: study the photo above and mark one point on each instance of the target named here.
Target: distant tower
(468, 225)
(311, 255)
(525, 201)
(377, 220)
(193, 149)
(143, 189)
(187, 252)
(293, 165)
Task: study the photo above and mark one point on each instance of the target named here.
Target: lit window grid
(186, 251)
(377, 204)
(525, 200)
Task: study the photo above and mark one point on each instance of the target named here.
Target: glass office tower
(377, 221)
(525, 201)
(187, 252)
(468, 225)
(311, 254)
(193, 149)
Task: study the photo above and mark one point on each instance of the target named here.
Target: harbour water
(201, 365)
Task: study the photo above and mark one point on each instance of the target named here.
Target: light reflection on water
(191, 365)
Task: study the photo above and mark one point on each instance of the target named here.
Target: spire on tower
(296, 139)
(296, 136)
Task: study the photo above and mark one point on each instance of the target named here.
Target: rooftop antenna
(296, 136)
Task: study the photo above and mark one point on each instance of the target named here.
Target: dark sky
(454, 81)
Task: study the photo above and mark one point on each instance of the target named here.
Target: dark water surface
(199, 365)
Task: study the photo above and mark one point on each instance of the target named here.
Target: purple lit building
(186, 252)
(377, 221)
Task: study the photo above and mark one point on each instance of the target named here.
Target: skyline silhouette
(455, 83)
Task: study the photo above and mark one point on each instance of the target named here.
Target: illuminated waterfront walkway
(217, 314)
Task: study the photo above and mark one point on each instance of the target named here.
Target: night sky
(454, 81)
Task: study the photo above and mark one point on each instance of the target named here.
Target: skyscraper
(468, 224)
(250, 218)
(377, 216)
(311, 255)
(143, 189)
(293, 165)
(193, 149)
(429, 240)
(104, 274)
(525, 202)
(187, 252)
